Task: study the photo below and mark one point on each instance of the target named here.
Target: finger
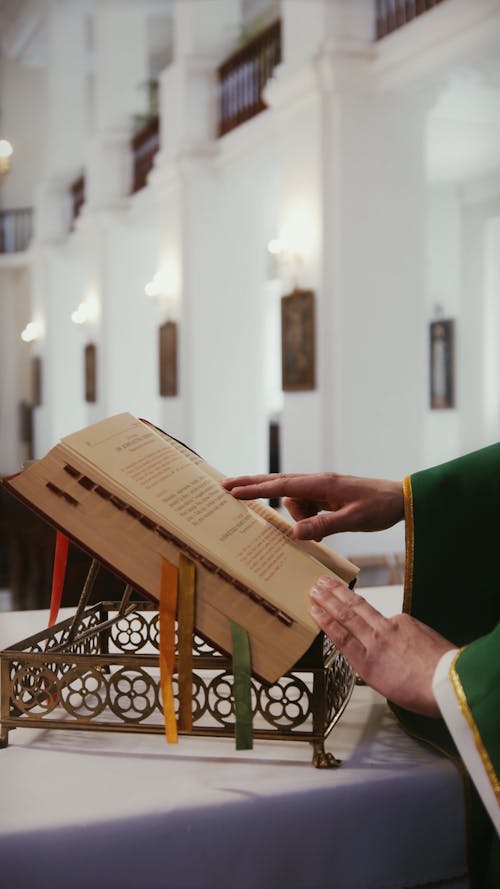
(350, 610)
(346, 642)
(300, 509)
(339, 615)
(297, 487)
(244, 481)
(250, 487)
(348, 518)
(325, 523)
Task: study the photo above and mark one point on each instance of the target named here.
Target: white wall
(15, 364)
(336, 157)
(444, 252)
(478, 352)
(22, 123)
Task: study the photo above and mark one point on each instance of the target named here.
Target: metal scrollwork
(84, 693)
(131, 633)
(133, 694)
(340, 679)
(286, 704)
(100, 669)
(154, 631)
(34, 689)
(220, 698)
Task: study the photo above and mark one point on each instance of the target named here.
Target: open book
(130, 495)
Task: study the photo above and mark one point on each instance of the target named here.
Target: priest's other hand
(326, 503)
(397, 656)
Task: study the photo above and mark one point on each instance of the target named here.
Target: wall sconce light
(31, 332)
(87, 311)
(285, 260)
(5, 154)
(164, 288)
(296, 244)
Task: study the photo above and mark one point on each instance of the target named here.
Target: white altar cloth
(82, 809)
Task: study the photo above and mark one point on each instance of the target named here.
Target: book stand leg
(99, 671)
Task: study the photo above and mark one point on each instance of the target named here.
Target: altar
(84, 809)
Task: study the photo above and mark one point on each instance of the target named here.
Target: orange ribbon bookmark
(168, 605)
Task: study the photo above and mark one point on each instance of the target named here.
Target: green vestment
(452, 583)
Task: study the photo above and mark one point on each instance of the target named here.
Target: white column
(374, 299)
(57, 285)
(15, 358)
(341, 140)
(53, 280)
(306, 26)
(120, 92)
(64, 136)
(491, 368)
(478, 322)
(205, 31)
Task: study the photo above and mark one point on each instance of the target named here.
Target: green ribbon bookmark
(242, 672)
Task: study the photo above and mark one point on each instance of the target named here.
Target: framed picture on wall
(90, 358)
(298, 341)
(167, 355)
(442, 363)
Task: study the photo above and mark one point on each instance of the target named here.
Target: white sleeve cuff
(462, 734)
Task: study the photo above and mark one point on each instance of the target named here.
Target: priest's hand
(397, 656)
(326, 503)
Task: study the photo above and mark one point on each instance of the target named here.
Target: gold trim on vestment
(409, 543)
(466, 712)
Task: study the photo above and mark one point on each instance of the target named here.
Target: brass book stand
(99, 671)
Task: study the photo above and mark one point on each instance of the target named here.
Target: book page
(160, 479)
(342, 567)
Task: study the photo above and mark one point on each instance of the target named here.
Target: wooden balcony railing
(145, 144)
(16, 229)
(77, 198)
(243, 76)
(393, 14)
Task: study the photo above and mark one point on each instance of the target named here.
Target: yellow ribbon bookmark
(185, 628)
(168, 605)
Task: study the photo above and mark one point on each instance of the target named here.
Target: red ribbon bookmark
(58, 575)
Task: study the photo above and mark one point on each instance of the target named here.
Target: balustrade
(145, 144)
(393, 14)
(243, 76)
(16, 229)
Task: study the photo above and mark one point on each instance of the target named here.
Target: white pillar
(374, 296)
(57, 285)
(205, 31)
(120, 93)
(15, 363)
(53, 283)
(340, 141)
(478, 323)
(307, 27)
(64, 136)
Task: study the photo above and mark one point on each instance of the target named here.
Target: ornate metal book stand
(99, 671)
